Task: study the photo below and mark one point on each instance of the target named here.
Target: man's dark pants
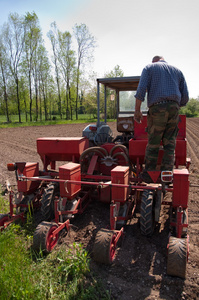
(162, 125)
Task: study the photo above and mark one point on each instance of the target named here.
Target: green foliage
(83, 118)
(116, 72)
(27, 275)
(111, 104)
(61, 275)
(4, 202)
(15, 264)
(27, 85)
(191, 109)
(75, 265)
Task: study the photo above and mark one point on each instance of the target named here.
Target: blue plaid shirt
(162, 82)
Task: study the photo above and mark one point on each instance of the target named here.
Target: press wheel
(177, 257)
(104, 246)
(43, 239)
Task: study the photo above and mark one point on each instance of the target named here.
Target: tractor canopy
(122, 92)
(115, 100)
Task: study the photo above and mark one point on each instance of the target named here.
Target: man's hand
(138, 116)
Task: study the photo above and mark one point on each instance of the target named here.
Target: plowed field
(139, 270)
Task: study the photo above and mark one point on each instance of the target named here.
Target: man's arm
(140, 95)
(184, 92)
(138, 115)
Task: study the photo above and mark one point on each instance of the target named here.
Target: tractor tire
(47, 201)
(147, 220)
(104, 246)
(177, 257)
(42, 238)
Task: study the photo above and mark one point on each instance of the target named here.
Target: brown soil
(139, 270)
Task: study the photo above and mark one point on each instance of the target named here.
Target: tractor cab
(119, 95)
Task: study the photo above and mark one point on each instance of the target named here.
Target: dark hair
(157, 58)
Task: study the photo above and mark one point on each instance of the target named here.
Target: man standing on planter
(166, 92)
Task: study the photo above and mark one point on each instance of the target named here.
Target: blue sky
(128, 32)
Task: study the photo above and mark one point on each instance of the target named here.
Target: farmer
(166, 92)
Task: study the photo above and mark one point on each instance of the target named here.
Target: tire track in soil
(14, 152)
(192, 142)
(190, 132)
(19, 147)
(192, 129)
(193, 155)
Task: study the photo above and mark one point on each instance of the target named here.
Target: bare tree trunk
(36, 97)
(6, 102)
(67, 100)
(59, 95)
(30, 92)
(25, 105)
(45, 104)
(40, 104)
(77, 92)
(18, 100)
(5, 93)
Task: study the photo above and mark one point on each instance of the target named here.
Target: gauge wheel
(177, 257)
(105, 246)
(147, 218)
(43, 239)
(47, 201)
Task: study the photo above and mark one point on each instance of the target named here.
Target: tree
(32, 40)
(112, 109)
(91, 102)
(116, 72)
(86, 44)
(14, 39)
(43, 78)
(4, 74)
(53, 36)
(24, 94)
(191, 109)
(67, 62)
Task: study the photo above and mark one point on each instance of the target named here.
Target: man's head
(157, 58)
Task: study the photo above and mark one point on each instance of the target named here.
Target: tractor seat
(125, 124)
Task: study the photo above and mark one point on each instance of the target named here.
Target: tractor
(100, 165)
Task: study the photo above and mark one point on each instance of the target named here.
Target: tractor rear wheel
(147, 219)
(47, 201)
(104, 246)
(43, 239)
(177, 257)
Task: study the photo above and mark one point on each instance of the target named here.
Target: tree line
(42, 87)
(30, 82)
